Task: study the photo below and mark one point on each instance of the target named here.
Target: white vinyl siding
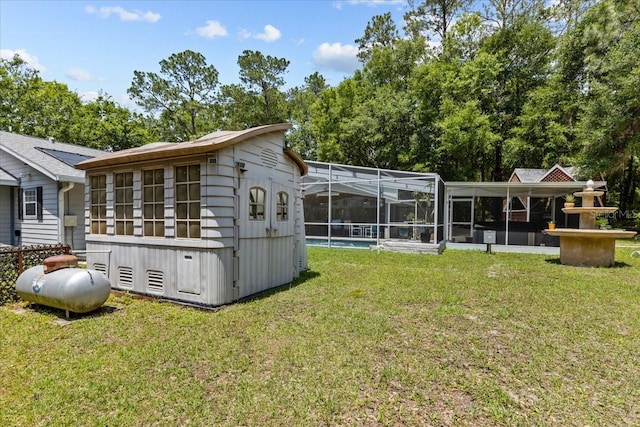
(5, 215)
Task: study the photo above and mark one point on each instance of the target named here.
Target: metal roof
(366, 181)
(516, 189)
(207, 144)
(33, 152)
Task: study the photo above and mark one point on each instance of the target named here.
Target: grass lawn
(364, 338)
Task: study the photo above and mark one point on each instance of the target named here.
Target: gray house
(41, 193)
(206, 221)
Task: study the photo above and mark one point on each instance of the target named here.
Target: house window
(282, 206)
(30, 203)
(188, 201)
(98, 204)
(256, 203)
(123, 188)
(153, 202)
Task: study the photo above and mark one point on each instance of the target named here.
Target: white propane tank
(68, 288)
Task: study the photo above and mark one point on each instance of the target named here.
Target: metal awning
(516, 189)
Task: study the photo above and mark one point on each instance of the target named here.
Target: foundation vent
(155, 280)
(125, 277)
(102, 268)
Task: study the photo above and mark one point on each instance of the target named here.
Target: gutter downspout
(64, 189)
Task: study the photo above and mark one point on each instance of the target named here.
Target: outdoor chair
(371, 232)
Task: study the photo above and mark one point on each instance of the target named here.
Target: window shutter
(20, 205)
(39, 202)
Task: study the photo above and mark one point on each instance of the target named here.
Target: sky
(95, 46)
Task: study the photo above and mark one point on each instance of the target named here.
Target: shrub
(31, 256)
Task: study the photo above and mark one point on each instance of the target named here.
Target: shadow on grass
(304, 276)
(617, 264)
(61, 314)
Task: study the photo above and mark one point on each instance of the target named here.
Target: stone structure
(588, 246)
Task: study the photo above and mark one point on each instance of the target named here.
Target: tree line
(467, 93)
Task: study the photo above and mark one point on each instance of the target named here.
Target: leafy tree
(544, 134)
(467, 139)
(17, 81)
(104, 124)
(507, 13)
(433, 16)
(380, 32)
(301, 100)
(263, 77)
(183, 95)
(610, 125)
(35, 107)
(524, 52)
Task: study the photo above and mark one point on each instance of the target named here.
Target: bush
(31, 256)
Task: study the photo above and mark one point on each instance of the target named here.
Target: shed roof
(51, 158)
(206, 144)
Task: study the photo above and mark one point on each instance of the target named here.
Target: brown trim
(206, 144)
(304, 169)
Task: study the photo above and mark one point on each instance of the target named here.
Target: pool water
(352, 244)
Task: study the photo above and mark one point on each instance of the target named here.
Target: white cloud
(79, 74)
(123, 14)
(337, 57)
(212, 30)
(31, 60)
(244, 34)
(270, 34)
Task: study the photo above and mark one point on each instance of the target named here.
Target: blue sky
(95, 46)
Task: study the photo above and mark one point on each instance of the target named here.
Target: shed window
(256, 203)
(123, 188)
(153, 202)
(98, 204)
(188, 201)
(282, 206)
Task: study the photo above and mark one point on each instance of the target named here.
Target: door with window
(266, 230)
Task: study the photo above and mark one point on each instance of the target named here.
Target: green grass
(364, 338)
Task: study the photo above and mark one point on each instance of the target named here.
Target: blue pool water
(353, 244)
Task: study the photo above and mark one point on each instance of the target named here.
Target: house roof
(7, 179)
(206, 144)
(538, 175)
(53, 159)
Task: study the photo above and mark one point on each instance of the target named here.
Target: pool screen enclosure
(353, 203)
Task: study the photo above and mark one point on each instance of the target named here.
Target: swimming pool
(336, 243)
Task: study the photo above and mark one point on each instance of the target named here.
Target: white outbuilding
(206, 222)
